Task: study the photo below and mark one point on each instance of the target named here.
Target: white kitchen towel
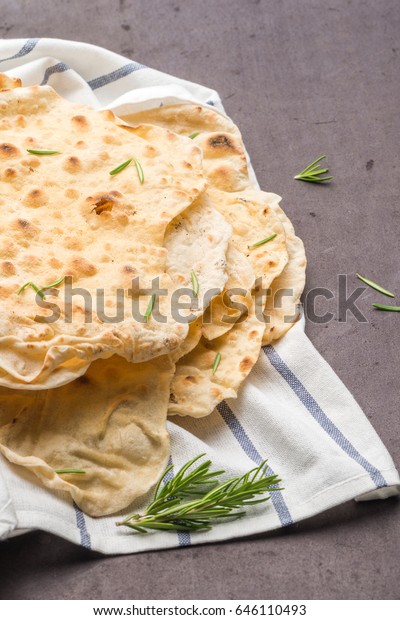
(292, 409)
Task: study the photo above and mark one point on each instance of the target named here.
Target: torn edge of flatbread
(9, 83)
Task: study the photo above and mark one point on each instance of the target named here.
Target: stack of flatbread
(140, 274)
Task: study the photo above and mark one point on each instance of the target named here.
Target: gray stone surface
(300, 79)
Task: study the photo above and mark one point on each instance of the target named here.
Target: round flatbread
(110, 424)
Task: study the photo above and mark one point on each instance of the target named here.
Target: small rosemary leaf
(150, 307)
(217, 361)
(139, 171)
(388, 308)
(167, 501)
(182, 526)
(310, 170)
(185, 467)
(194, 135)
(159, 525)
(161, 479)
(252, 502)
(375, 286)
(35, 152)
(317, 180)
(69, 471)
(54, 284)
(38, 291)
(120, 167)
(191, 519)
(131, 517)
(135, 527)
(260, 470)
(23, 287)
(32, 285)
(200, 517)
(256, 245)
(320, 170)
(195, 283)
(313, 164)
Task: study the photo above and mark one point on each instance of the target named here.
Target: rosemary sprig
(139, 170)
(195, 283)
(38, 290)
(312, 172)
(36, 152)
(192, 500)
(69, 471)
(216, 363)
(256, 245)
(375, 286)
(150, 307)
(387, 308)
(194, 135)
(121, 167)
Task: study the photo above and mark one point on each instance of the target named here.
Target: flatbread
(227, 308)
(196, 389)
(110, 423)
(8, 83)
(197, 243)
(282, 307)
(225, 160)
(252, 221)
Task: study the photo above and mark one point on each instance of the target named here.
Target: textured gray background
(300, 78)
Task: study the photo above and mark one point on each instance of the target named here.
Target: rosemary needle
(194, 498)
(139, 171)
(195, 283)
(150, 306)
(256, 245)
(120, 167)
(53, 284)
(69, 471)
(35, 288)
(375, 286)
(194, 135)
(312, 172)
(35, 152)
(388, 308)
(217, 361)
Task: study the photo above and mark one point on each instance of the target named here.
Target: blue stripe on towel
(25, 49)
(320, 416)
(183, 537)
(81, 524)
(103, 80)
(249, 448)
(58, 68)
